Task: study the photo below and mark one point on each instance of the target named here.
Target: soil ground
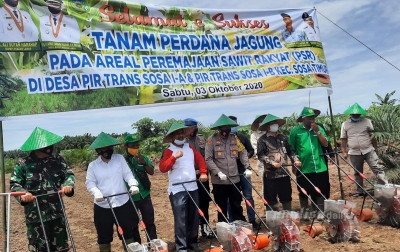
(373, 237)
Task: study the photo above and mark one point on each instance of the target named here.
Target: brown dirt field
(373, 237)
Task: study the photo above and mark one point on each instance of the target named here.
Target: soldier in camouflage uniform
(42, 173)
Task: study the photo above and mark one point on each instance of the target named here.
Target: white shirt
(68, 29)
(9, 31)
(358, 136)
(109, 179)
(255, 135)
(312, 33)
(183, 170)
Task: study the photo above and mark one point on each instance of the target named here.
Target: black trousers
(277, 188)
(104, 222)
(186, 219)
(204, 198)
(146, 209)
(221, 195)
(320, 180)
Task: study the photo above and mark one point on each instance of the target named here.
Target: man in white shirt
(179, 160)
(107, 176)
(58, 27)
(255, 135)
(16, 25)
(356, 133)
(311, 30)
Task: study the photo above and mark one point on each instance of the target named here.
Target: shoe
(255, 224)
(195, 248)
(358, 194)
(206, 232)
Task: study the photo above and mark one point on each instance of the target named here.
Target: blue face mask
(234, 129)
(179, 142)
(355, 119)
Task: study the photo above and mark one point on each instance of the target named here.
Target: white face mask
(274, 127)
(179, 142)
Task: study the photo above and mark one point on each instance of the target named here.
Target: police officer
(58, 27)
(309, 28)
(222, 150)
(38, 174)
(198, 141)
(16, 25)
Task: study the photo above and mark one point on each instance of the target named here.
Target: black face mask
(47, 150)
(11, 3)
(194, 133)
(106, 153)
(54, 10)
(225, 132)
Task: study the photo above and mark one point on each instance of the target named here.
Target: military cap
(190, 122)
(174, 127)
(57, 3)
(132, 138)
(306, 16)
(285, 15)
(270, 118)
(40, 138)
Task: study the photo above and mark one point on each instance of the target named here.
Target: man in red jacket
(179, 160)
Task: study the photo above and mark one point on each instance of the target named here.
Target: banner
(75, 54)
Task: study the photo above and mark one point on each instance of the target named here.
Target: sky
(356, 74)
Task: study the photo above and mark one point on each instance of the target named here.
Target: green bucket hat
(308, 112)
(174, 127)
(257, 121)
(355, 109)
(132, 138)
(40, 138)
(223, 120)
(270, 118)
(103, 140)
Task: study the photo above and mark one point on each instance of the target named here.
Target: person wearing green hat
(255, 135)
(106, 176)
(38, 174)
(307, 141)
(222, 150)
(141, 165)
(274, 150)
(355, 133)
(179, 160)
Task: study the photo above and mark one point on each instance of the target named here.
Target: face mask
(54, 10)
(11, 3)
(179, 142)
(106, 153)
(225, 132)
(274, 127)
(355, 119)
(194, 133)
(47, 150)
(133, 151)
(234, 129)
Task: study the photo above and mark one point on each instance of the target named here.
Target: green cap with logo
(103, 140)
(355, 109)
(39, 139)
(223, 120)
(174, 127)
(256, 123)
(270, 118)
(306, 112)
(132, 138)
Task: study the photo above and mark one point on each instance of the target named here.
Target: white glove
(221, 176)
(98, 197)
(133, 190)
(247, 173)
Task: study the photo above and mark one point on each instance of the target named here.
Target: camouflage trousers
(56, 236)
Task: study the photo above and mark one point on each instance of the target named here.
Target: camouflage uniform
(43, 176)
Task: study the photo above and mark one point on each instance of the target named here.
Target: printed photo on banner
(18, 32)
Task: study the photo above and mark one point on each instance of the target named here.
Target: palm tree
(386, 100)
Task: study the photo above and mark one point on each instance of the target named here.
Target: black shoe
(255, 224)
(206, 232)
(358, 194)
(195, 248)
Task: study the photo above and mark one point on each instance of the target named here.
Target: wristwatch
(318, 132)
